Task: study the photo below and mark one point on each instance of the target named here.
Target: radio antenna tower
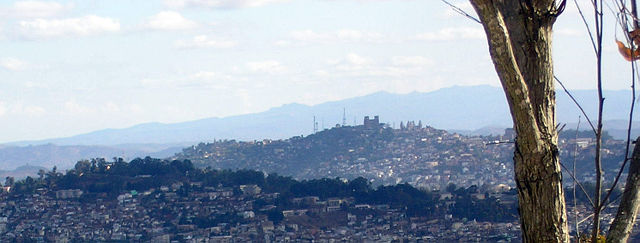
(344, 116)
(315, 125)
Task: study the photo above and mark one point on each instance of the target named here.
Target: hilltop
(421, 156)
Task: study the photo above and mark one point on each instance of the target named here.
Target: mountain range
(475, 110)
(463, 108)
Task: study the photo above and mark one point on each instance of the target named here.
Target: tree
(41, 174)
(519, 38)
(9, 181)
(83, 166)
(622, 224)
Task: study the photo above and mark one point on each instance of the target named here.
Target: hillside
(421, 156)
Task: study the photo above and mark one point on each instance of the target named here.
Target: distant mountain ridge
(65, 156)
(469, 110)
(455, 108)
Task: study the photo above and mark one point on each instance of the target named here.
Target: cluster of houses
(222, 214)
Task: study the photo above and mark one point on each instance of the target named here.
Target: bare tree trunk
(623, 223)
(519, 36)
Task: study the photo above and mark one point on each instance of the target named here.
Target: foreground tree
(622, 224)
(519, 36)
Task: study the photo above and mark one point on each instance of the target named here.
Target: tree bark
(519, 37)
(622, 225)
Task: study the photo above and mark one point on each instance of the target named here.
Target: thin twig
(561, 7)
(584, 20)
(461, 11)
(634, 13)
(575, 102)
(575, 157)
(613, 200)
(578, 183)
(598, 18)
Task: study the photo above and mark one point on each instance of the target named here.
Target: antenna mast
(315, 125)
(344, 116)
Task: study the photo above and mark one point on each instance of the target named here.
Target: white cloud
(203, 41)
(33, 110)
(355, 59)
(34, 9)
(111, 107)
(169, 20)
(206, 79)
(198, 80)
(31, 85)
(13, 64)
(356, 35)
(203, 75)
(3, 108)
(269, 67)
(354, 65)
(309, 35)
(339, 36)
(228, 4)
(135, 108)
(568, 32)
(75, 108)
(83, 26)
(452, 34)
(411, 61)
(21, 109)
(282, 43)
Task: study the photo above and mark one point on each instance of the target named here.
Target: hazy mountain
(49, 155)
(22, 172)
(455, 108)
(483, 131)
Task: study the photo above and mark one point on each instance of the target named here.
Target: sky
(71, 67)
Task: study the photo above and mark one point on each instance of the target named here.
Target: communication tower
(344, 117)
(315, 125)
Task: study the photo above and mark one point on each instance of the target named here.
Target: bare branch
(575, 158)
(598, 18)
(584, 20)
(461, 11)
(575, 102)
(578, 183)
(634, 13)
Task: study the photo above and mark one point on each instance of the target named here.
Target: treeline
(110, 177)
(97, 176)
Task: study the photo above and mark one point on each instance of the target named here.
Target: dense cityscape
(162, 201)
(361, 183)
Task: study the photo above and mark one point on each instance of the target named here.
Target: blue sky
(70, 67)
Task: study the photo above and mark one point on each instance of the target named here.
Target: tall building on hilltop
(372, 123)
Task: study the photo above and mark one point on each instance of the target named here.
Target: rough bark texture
(519, 36)
(620, 229)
